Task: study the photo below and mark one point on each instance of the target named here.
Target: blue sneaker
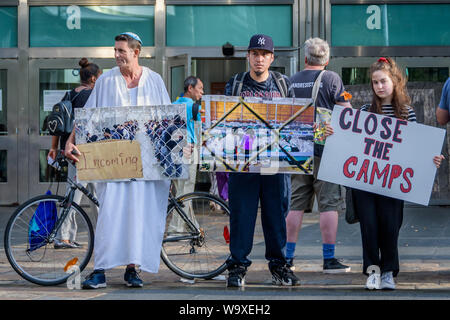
(95, 280)
(132, 279)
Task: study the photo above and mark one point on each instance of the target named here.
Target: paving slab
(424, 248)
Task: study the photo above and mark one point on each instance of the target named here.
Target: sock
(290, 250)
(328, 251)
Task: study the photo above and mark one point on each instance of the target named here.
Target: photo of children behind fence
(161, 134)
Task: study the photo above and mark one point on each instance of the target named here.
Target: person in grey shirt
(304, 187)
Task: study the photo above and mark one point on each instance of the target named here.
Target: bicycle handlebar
(60, 159)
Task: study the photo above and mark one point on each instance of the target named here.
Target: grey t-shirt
(331, 87)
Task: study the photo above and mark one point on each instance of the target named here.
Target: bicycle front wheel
(31, 252)
(199, 250)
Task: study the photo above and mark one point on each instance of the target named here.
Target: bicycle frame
(196, 231)
(67, 203)
(68, 199)
(193, 235)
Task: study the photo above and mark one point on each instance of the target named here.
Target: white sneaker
(190, 281)
(387, 281)
(373, 281)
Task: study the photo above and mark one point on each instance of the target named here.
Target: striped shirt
(388, 110)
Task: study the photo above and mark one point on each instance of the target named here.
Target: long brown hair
(400, 97)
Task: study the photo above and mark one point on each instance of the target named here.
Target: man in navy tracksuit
(246, 189)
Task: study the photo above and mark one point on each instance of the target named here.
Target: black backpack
(61, 120)
(278, 77)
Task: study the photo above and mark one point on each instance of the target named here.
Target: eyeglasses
(132, 35)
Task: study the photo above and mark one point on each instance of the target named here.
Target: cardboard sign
(111, 160)
(380, 154)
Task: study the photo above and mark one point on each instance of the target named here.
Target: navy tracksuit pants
(245, 190)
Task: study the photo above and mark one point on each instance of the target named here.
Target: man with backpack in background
(245, 190)
(329, 196)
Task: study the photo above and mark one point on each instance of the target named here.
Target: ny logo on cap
(261, 41)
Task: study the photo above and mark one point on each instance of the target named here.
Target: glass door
(49, 80)
(286, 65)
(178, 69)
(9, 129)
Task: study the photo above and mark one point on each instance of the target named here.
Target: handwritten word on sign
(116, 159)
(380, 154)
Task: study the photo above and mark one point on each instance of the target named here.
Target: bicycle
(197, 247)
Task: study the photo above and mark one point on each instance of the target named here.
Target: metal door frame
(9, 190)
(36, 142)
(184, 60)
(288, 61)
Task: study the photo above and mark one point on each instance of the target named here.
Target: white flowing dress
(132, 215)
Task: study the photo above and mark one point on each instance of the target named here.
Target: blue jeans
(244, 192)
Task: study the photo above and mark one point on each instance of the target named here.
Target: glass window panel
(3, 165)
(427, 74)
(8, 26)
(46, 172)
(89, 26)
(390, 25)
(355, 76)
(177, 81)
(281, 70)
(191, 26)
(3, 106)
(53, 83)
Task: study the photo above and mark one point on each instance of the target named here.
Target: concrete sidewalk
(424, 248)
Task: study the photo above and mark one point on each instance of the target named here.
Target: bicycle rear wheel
(43, 264)
(197, 255)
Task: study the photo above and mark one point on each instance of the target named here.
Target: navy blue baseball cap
(261, 42)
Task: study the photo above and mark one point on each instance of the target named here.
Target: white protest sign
(380, 154)
(52, 97)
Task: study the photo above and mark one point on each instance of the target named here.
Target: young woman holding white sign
(381, 217)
